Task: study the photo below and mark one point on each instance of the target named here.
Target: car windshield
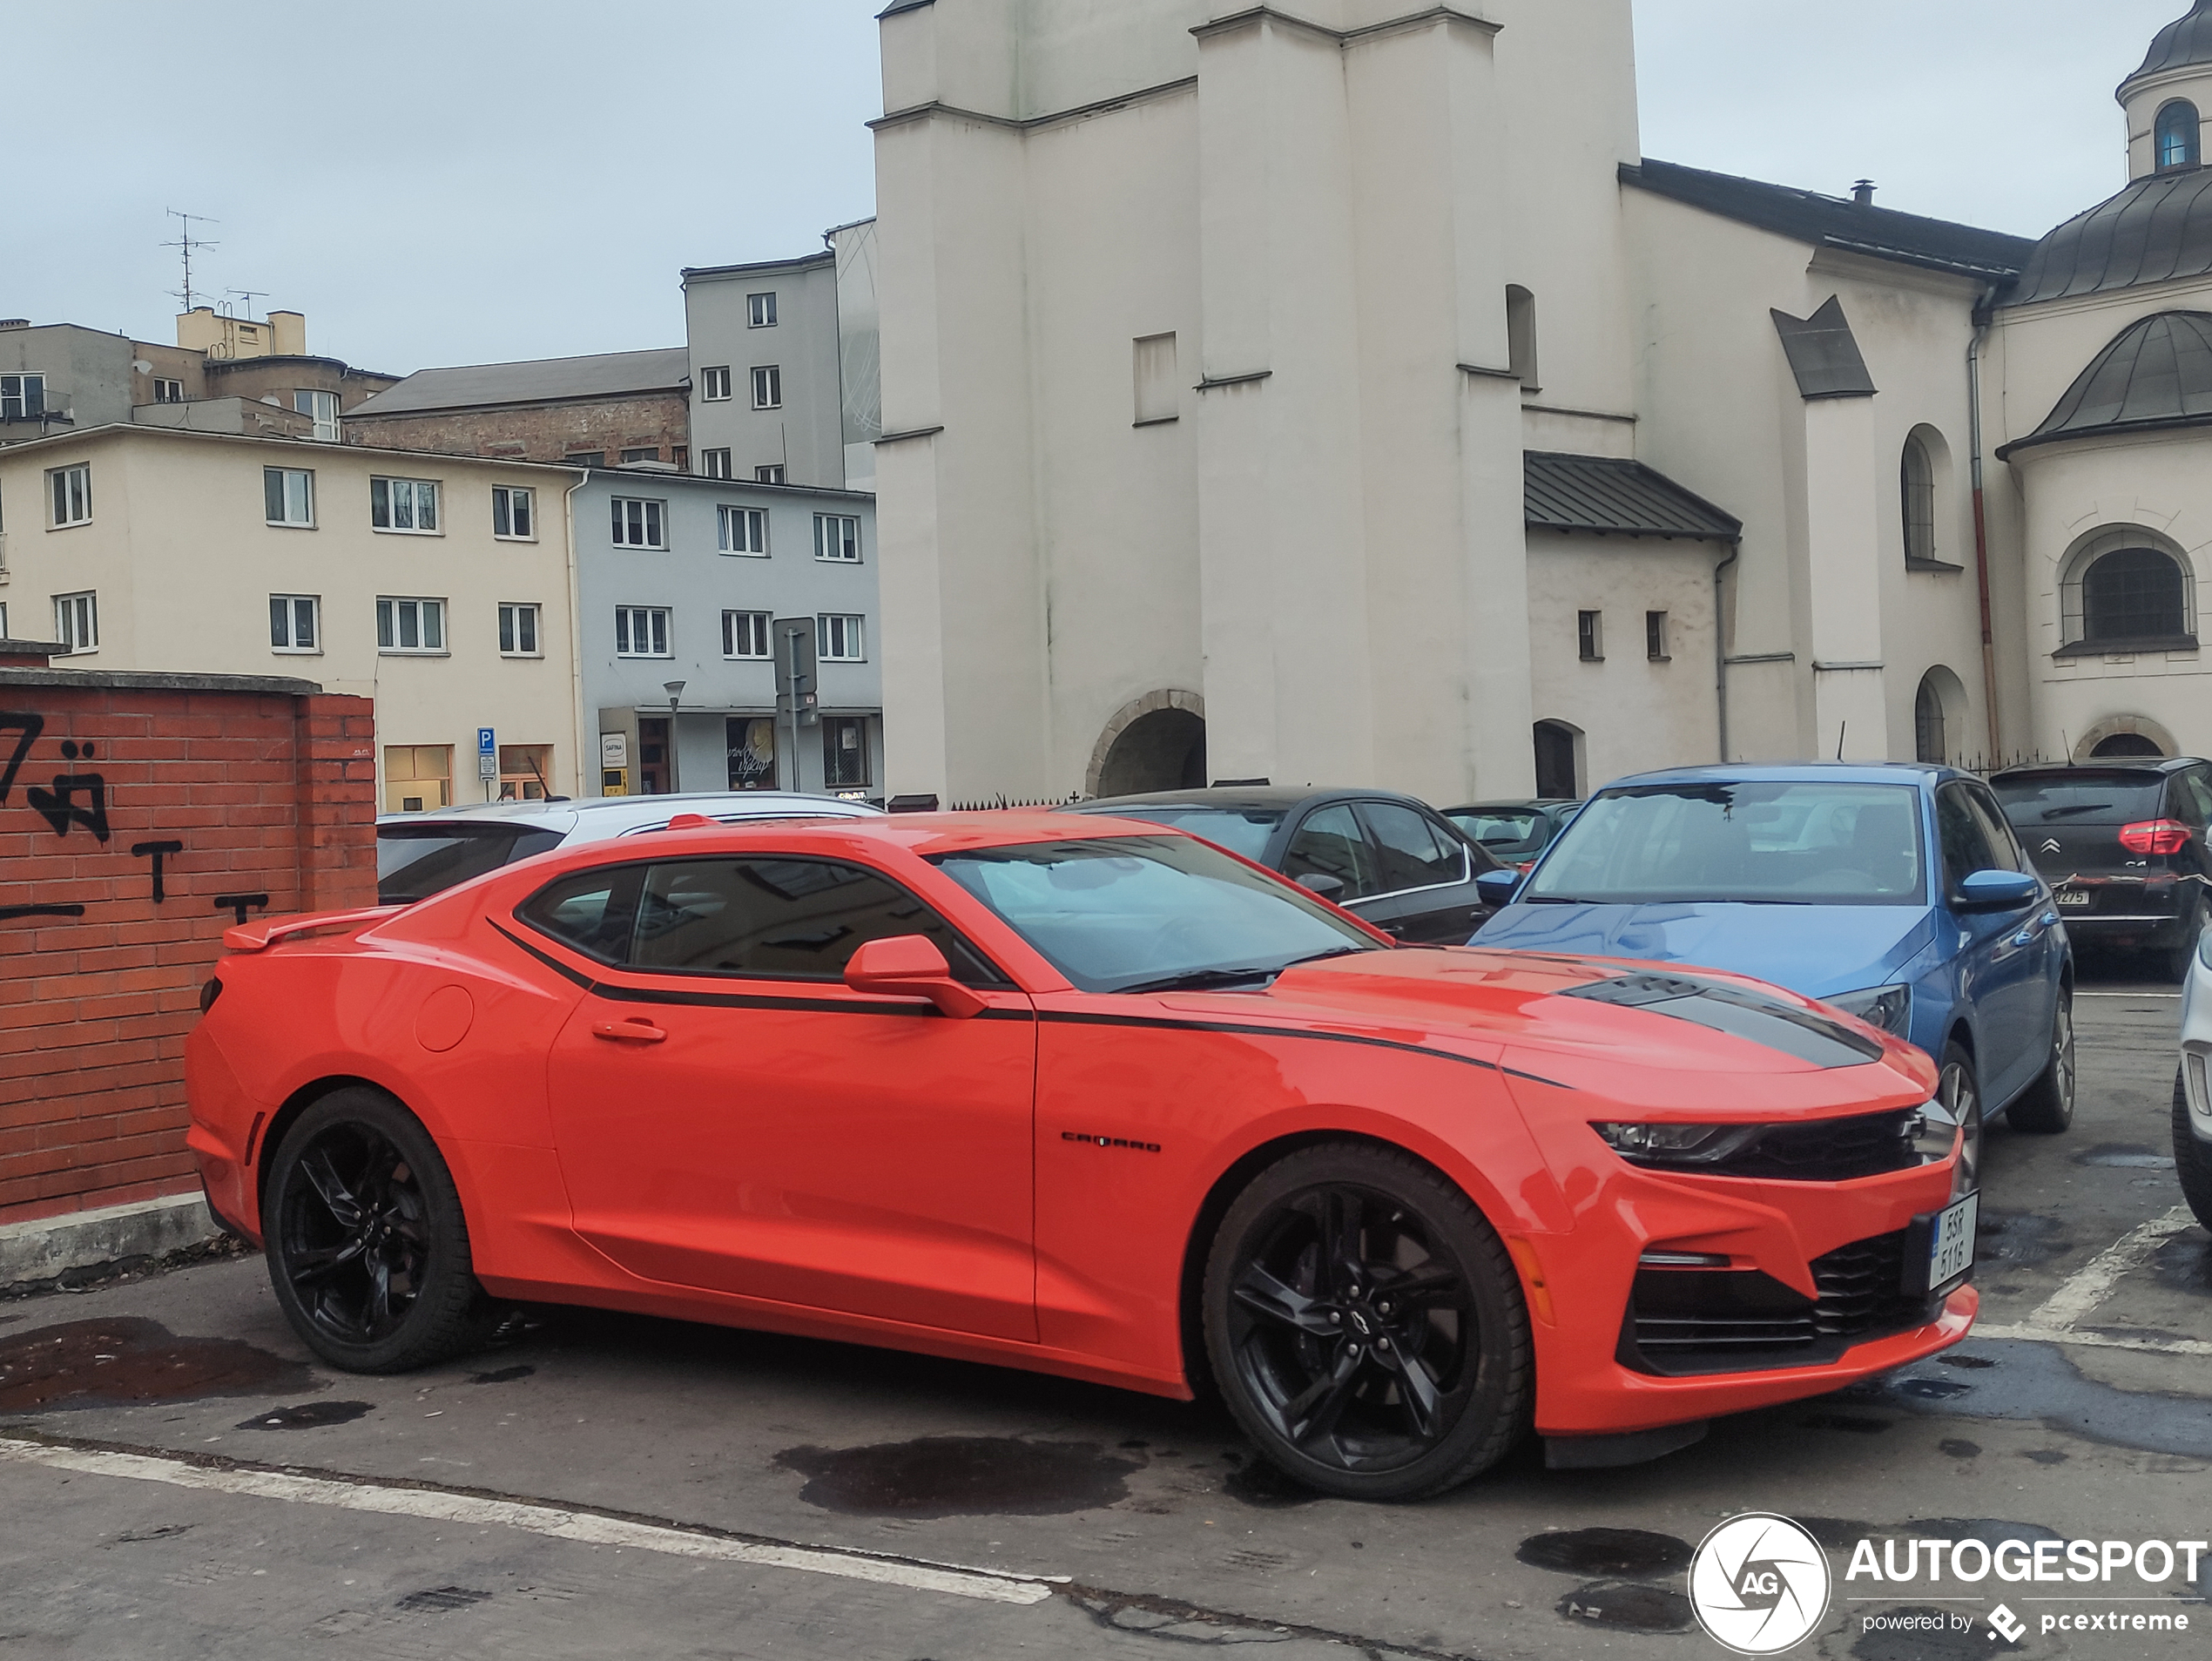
(1500, 828)
(1776, 842)
(1124, 914)
(2080, 798)
(415, 861)
(1241, 830)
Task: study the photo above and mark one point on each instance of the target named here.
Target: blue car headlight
(1889, 1008)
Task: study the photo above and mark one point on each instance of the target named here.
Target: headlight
(1933, 1132)
(1677, 1144)
(1889, 1008)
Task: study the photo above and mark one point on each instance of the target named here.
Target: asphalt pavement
(177, 1479)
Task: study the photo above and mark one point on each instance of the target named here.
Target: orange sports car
(1095, 1099)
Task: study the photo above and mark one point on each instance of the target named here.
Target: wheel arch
(281, 1121)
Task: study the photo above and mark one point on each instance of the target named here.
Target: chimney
(1863, 192)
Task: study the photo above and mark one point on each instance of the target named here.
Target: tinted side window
(1412, 853)
(592, 911)
(1965, 844)
(2192, 795)
(1331, 843)
(790, 919)
(2003, 846)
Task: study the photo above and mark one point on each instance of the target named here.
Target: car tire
(1366, 1325)
(1958, 1090)
(368, 1248)
(2192, 1159)
(2046, 1107)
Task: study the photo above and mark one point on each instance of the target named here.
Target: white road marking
(2097, 1340)
(553, 1522)
(2126, 995)
(2092, 1284)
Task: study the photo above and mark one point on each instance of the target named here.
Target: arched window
(1918, 490)
(1558, 772)
(2126, 744)
(1521, 336)
(2180, 140)
(2133, 594)
(1928, 725)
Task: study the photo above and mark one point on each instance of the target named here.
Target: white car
(2193, 1085)
(420, 855)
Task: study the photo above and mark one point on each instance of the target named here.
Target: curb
(52, 1247)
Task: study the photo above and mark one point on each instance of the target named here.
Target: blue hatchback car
(1895, 893)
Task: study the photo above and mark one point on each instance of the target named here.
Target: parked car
(1394, 860)
(1515, 832)
(1895, 893)
(420, 855)
(1088, 1096)
(2122, 844)
(2192, 1086)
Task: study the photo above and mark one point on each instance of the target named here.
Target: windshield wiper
(2078, 807)
(1192, 979)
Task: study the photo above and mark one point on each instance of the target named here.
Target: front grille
(1826, 1150)
(1738, 1321)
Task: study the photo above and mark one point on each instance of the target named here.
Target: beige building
(439, 586)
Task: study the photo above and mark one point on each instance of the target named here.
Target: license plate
(2072, 896)
(1951, 1241)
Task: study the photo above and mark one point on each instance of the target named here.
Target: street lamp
(675, 690)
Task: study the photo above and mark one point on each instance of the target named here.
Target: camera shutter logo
(1759, 1584)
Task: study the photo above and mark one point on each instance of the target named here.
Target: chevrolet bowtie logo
(2050, 845)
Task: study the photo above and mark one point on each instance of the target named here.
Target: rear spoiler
(260, 936)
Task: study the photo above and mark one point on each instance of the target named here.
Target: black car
(2122, 844)
(1392, 860)
(1514, 832)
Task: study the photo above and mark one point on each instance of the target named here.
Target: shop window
(845, 752)
(524, 771)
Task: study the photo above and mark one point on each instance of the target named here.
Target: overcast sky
(454, 181)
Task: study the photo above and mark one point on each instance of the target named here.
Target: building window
(714, 384)
(744, 530)
(1928, 739)
(410, 625)
(772, 474)
(1589, 636)
(293, 620)
(1917, 491)
(4, 635)
(1158, 398)
(288, 496)
(522, 771)
(642, 453)
(404, 504)
(639, 523)
(768, 387)
(1521, 336)
(168, 392)
(1654, 636)
(760, 310)
(1559, 773)
(23, 397)
(841, 638)
(586, 458)
(514, 513)
(2133, 594)
(2179, 136)
(641, 632)
(417, 776)
(76, 622)
(323, 406)
(715, 464)
(745, 634)
(845, 752)
(72, 490)
(837, 537)
(518, 631)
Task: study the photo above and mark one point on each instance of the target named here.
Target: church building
(1286, 392)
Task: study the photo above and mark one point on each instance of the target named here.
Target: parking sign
(487, 753)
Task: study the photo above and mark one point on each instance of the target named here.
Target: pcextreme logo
(1759, 1584)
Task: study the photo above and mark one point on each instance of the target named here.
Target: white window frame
(289, 501)
(168, 390)
(769, 473)
(418, 492)
(1589, 636)
(741, 532)
(76, 621)
(714, 384)
(837, 538)
(768, 386)
(320, 406)
(522, 629)
(650, 625)
(16, 406)
(846, 631)
(714, 463)
(290, 646)
(428, 615)
(515, 504)
(744, 631)
(760, 310)
(69, 490)
(646, 529)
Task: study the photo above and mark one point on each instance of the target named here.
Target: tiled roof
(1615, 496)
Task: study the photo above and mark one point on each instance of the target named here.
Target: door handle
(635, 1031)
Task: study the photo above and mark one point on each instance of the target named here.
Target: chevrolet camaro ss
(1089, 1097)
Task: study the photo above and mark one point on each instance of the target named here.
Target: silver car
(420, 855)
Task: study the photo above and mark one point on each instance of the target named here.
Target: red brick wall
(271, 793)
(538, 432)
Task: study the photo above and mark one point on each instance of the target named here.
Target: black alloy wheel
(2046, 1106)
(367, 1249)
(2192, 1158)
(1959, 1093)
(1367, 1325)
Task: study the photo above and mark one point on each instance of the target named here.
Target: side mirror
(1497, 887)
(911, 966)
(1997, 891)
(1322, 883)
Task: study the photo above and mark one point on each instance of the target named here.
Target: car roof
(1864, 773)
(597, 816)
(2103, 764)
(1528, 804)
(1230, 798)
(925, 835)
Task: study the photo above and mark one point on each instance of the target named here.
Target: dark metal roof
(1837, 222)
(1824, 353)
(2156, 373)
(2157, 229)
(2185, 41)
(1616, 497)
(607, 374)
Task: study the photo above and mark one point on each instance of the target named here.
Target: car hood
(1818, 951)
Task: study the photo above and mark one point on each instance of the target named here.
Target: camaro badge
(1108, 1141)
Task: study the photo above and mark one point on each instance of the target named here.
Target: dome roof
(2185, 41)
(2156, 373)
(2158, 229)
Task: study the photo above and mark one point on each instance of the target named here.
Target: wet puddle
(2184, 1263)
(126, 1361)
(2121, 1156)
(504, 1375)
(935, 1476)
(1605, 1552)
(1933, 1389)
(1259, 1483)
(2021, 1237)
(1958, 1447)
(308, 1416)
(1622, 1606)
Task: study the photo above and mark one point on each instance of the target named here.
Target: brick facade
(546, 432)
(257, 796)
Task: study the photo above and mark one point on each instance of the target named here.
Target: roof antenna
(247, 297)
(1840, 731)
(187, 242)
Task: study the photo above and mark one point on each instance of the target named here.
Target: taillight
(2154, 837)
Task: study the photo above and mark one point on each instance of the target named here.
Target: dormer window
(2179, 136)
